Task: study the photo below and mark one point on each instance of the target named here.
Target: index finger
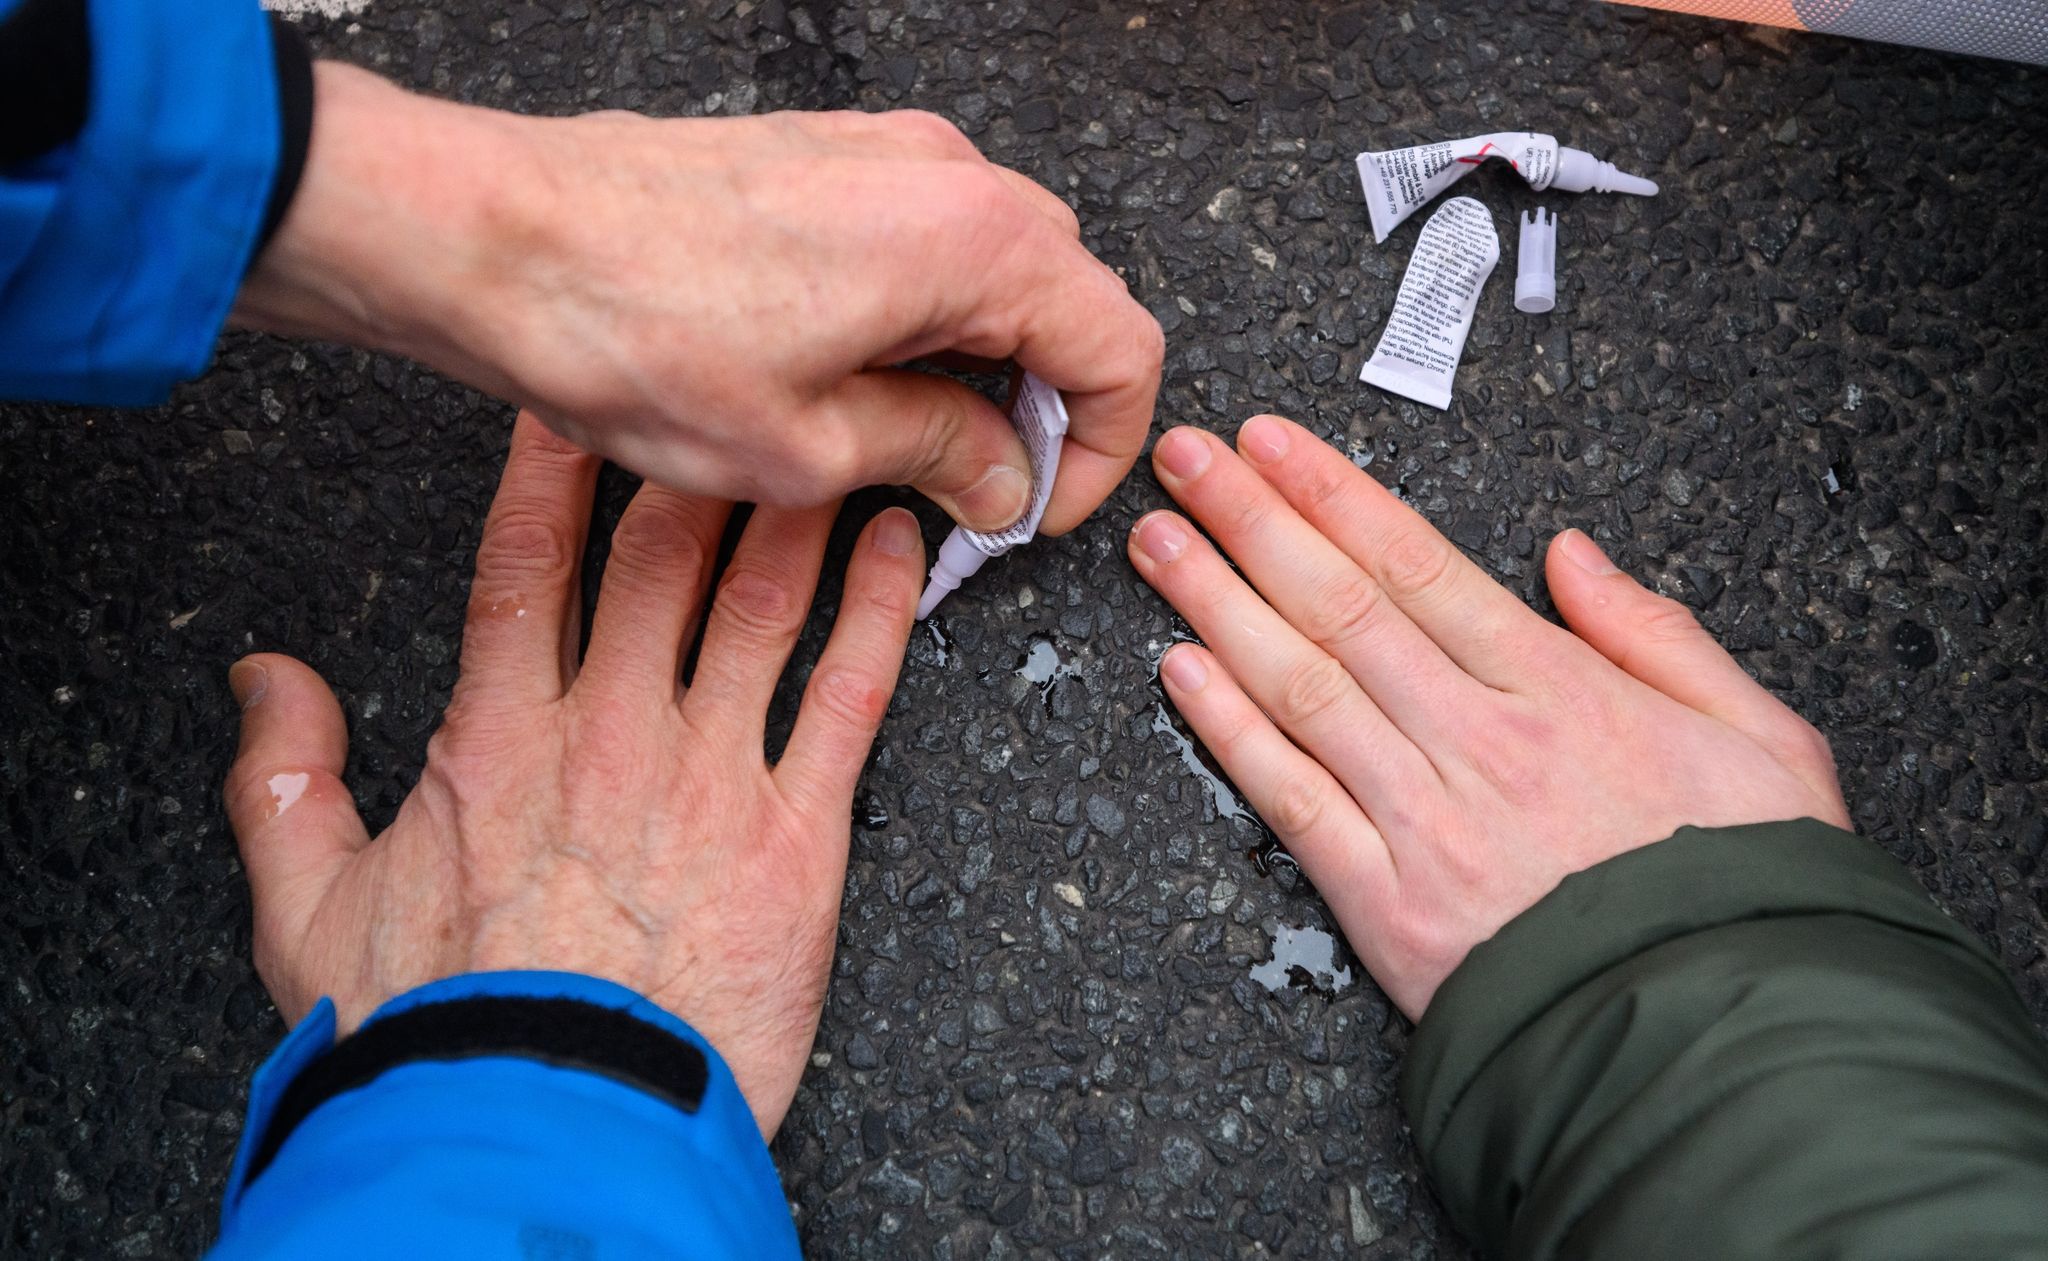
(519, 641)
(1480, 624)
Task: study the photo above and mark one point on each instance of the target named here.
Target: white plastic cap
(1580, 172)
(1536, 263)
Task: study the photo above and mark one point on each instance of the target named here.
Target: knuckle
(1317, 488)
(799, 124)
(1810, 746)
(1311, 690)
(759, 604)
(245, 789)
(256, 794)
(1320, 487)
(1664, 619)
(1249, 517)
(1508, 756)
(551, 439)
(926, 128)
(1070, 225)
(1149, 340)
(525, 542)
(613, 750)
(466, 721)
(827, 464)
(1659, 623)
(1411, 934)
(1296, 807)
(621, 118)
(786, 450)
(1415, 563)
(473, 738)
(1227, 734)
(853, 700)
(892, 600)
(1422, 941)
(1347, 608)
(940, 429)
(655, 535)
(980, 195)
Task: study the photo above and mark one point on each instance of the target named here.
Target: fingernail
(1184, 669)
(896, 533)
(248, 681)
(1161, 538)
(1184, 453)
(995, 501)
(1581, 550)
(1264, 439)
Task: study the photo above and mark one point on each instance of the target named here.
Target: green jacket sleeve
(1742, 1042)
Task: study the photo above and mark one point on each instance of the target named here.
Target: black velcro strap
(564, 1032)
(294, 63)
(45, 77)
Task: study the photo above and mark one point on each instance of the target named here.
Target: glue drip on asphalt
(1306, 958)
(1227, 805)
(1044, 665)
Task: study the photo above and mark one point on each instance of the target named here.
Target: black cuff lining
(295, 121)
(45, 77)
(564, 1032)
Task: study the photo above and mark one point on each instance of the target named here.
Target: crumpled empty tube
(1418, 354)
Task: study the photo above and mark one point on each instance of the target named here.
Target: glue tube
(1041, 421)
(1418, 354)
(1398, 182)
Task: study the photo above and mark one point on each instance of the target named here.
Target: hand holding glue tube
(1041, 421)
(1398, 182)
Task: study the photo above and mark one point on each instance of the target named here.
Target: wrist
(500, 1096)
(399, 226)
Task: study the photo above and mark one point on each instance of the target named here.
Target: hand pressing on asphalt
(720, 305)
(1436, 755)
(594, 815)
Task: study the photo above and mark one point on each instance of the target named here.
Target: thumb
(1658, 641)
(937, 435)
(294, 819)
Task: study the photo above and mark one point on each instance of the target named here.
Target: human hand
(1436, 755)
(596, 817)
(718, 304)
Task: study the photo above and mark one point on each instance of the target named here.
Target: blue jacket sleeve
(501, 1154)
(120, 253)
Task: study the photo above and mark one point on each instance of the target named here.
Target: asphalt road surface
(1802, 390)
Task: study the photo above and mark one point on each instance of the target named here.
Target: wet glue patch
(1418, 354)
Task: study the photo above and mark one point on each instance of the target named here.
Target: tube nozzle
(1580, 172)
(1623, 182)
(957, 560)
